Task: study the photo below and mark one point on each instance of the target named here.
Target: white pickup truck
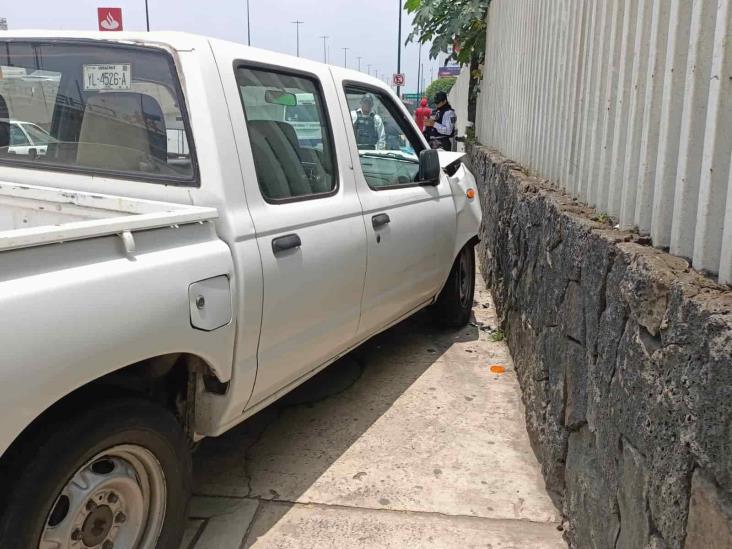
(187, 250)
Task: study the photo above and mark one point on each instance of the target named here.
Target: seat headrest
(289, 132)
(121, 131)
(282, 142)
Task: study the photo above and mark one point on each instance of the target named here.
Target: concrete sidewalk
(410, 441)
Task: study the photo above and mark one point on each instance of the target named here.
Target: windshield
(38, 135)
(94, 107)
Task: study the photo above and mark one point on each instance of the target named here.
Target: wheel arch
(167, 379)
(472, 242)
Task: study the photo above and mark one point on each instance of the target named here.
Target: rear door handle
(287, 242)
(380, 220)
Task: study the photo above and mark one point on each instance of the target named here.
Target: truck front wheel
(455, 303)
(115, 476)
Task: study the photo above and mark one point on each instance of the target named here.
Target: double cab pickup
(189, 229)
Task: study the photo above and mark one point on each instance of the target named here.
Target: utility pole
(325, 52)
(368, 68)
(147, 17)
(419, 67)
(249, 28)
(399, 47)
(359, 62)
(297, 27)
(345, 56)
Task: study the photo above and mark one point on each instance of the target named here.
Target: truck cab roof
(185, 41)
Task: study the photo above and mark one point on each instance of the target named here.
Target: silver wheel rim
(114, 501)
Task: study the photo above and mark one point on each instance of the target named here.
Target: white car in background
(27, 138)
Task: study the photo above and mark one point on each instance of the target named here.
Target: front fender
(468, 211)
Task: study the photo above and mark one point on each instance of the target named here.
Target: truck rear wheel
(116, 476)
(455, 302)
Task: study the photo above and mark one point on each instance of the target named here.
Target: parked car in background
(182, 253)
(26, 138)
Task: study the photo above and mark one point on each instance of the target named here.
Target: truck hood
(449, 157)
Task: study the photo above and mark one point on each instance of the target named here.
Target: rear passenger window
(291, 140)
(94, 107)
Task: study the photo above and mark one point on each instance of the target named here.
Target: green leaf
(441, 84)
(445, 21)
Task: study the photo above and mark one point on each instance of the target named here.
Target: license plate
(107, 77)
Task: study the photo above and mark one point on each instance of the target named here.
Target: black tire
(48, 461)
(455, 303)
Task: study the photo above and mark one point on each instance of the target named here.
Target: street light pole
(325, 54)
(297, 27)
(345, 56)
(421, 82)
(399, 47)
(359, 62)
(147, 17)
(249, 28)
(419, 68)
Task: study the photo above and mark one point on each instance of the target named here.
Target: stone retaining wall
(624, 355)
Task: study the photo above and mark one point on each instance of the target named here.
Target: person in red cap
(421, 114)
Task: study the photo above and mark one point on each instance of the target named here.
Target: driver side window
(388, 147)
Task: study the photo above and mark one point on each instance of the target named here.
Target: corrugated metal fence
(458, 98)
(627, 104)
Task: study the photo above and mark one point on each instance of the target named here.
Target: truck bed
(32, 215)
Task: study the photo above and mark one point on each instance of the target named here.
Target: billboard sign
(448, 70)
(109, 19)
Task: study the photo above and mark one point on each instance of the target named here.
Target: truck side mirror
(429, 167)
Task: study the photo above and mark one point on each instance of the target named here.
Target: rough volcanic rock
(624, 356)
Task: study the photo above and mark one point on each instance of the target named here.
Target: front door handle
(287, 242)
(380, 220)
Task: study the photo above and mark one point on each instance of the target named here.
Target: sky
(367, 27)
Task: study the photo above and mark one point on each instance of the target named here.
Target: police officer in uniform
(440, 127)
(368, 126)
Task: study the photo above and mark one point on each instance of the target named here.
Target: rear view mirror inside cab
(278, 97)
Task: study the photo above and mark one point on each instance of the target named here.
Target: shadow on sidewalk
(279, 453)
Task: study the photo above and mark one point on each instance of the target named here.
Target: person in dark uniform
(440, 127)
(368, 126)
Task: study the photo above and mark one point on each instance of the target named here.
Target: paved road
(411, 441)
